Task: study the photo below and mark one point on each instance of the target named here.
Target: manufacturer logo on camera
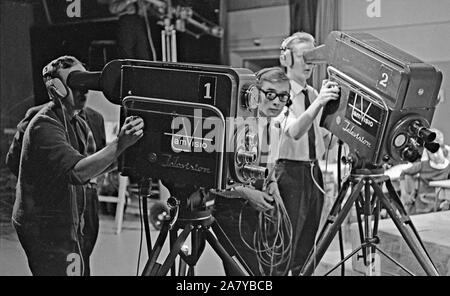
(185, 143)
(364, 113)
(350, 129)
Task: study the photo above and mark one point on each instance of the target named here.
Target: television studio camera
(200, 139)
(387, 101)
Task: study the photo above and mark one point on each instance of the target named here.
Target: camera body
(387, 99)
(200, 123)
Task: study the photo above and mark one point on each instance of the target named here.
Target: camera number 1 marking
(207, 89)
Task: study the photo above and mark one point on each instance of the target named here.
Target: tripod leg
(170, 260)
(359, 213)
(197, 246)
(150, 265)
(172, 239)
(334, 223)
(222, 237)
(336, 208)
(397, 203)
(401, 220)
(369, 205)
(182, 264)
(226, 258)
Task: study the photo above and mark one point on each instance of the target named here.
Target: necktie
(265, 147)
(85, 137)
(311, 133)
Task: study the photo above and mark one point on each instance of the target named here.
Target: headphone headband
(263, 71)
(287, 41)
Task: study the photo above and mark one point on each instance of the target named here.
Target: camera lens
(432, 147)
(410, 154)
(422, 132)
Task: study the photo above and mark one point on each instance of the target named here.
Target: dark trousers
(132, 40)
(227, 212)
(51, 249)
(304, 203)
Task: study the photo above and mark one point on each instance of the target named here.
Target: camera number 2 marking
(207, 89)
(384, 78)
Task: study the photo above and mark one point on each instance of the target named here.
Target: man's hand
(329, 91)
(131, 131)
(272, 189)
(259, 200)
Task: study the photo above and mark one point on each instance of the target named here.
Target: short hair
(51, 70)
(297, 37)
(272, 74)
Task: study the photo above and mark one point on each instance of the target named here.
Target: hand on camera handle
(329, 91)
(131, 131)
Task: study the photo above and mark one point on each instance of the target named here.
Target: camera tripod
(367, 196)
(200, 225)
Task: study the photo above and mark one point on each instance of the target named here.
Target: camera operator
(238, 220)
(301, 145)
(51, 206)
(93, 118)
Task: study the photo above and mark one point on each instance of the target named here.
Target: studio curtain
(319, 18)
(303, 15)
(327, 20)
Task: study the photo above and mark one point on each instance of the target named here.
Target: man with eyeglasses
(238, 220)
(301, 146)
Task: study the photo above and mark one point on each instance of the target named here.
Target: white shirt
(292, 149)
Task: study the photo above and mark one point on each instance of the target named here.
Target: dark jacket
(46, 194)
(93, 118)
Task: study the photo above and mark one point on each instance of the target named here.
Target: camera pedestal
(202, 227)
(368, 205)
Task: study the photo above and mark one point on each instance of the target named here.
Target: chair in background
(119, 200)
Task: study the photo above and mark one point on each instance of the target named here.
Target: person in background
(301, 145)
(415, 193)
(132, 33)
(274, 88)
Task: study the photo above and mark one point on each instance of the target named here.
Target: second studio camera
(200, 124)
(387, 101)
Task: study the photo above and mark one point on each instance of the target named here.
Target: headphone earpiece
(288, 103)
(56, 88)
(287, 58)
(286, 55)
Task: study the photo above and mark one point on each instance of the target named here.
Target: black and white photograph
(226, 142)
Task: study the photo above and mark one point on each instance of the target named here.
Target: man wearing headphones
(56, 163)
(238, 220)
(301, 145)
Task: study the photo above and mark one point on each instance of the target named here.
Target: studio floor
(117, 254)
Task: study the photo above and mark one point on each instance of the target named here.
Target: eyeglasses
(271, 95)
